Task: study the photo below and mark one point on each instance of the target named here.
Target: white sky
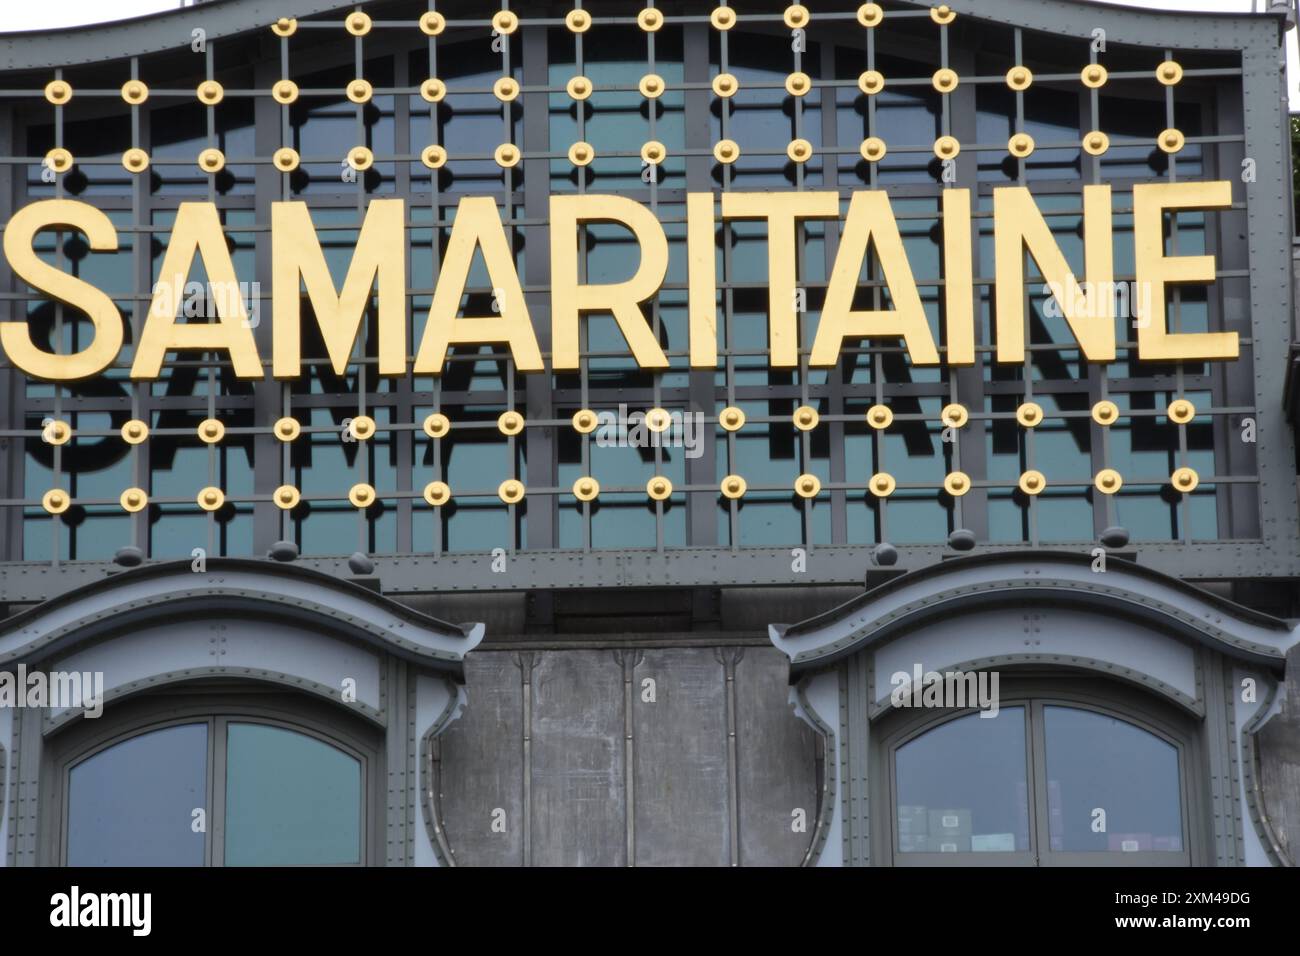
(65, 13)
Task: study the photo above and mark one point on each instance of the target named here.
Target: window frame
(217, 705)
(1076, 691)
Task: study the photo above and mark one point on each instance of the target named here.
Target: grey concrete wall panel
(266, 650)
(777, 771)
(1113, 647)
(578, 769)
(482, 758)
(680, 758)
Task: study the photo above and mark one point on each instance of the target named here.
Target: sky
(66, 13)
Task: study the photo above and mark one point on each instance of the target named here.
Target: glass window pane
(1095, 761)
(290, 799)
(962, 787)
(132, 804)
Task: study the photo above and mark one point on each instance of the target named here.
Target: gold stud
(432, 23)
(58, 159)
(211, 431)
(954, 415)
(649, 20)
(798, 84)
(505, 89)
(807, 486)
(731, 418)
(1171, 141)
(796, 16)
(210, 93)
(511, 491)
(133, 500)
(945, 80)
(957, 483)
(1096, 143)
(578, 88)
(433, 90)
(726, 151)
(799, 151)
(360, 91)
(135, 160)
(134, 92)
(805, 418)
(722, 18)
(651, 86)
(880, 416)
(285, 159)
(947, 147)
(659, 488)
(510, 423)
(1169, 73)
(871, 82)
(57, 432)
(210, 498)
(658, 420)
(873, 149)
(505, 22)
(437, 493)
(285, 27)
(56, 501)
(134, 431)
(357, 23)
(286, 497)
(654, 152)
(1019, 78)
(1105, 412)
(584, 421)
(882, 484)
(212, 160)
(1030, 414)
(361, 427)
(580, 154)
(1020, 145)
(1181, 411)
(435, 157)
(287, 429)
(437, 425)
(58, 92)
(1093, 76)
(1108, 481)
(506, 155)
(733, 486)
(361, 495)
(360, 158)
(1032, 482)
(284, 92)
(578, 21)
(725, 85)
(870, 14)
(1185, 480)
(586, 488)
(942, 14)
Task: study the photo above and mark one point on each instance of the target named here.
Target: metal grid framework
(1253, 493)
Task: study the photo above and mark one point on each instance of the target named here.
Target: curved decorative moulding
(1219, 663)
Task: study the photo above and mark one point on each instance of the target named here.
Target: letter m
(297, 260)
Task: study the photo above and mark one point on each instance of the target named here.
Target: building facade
(849, 435)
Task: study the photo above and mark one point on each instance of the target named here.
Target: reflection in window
(131, 805)
(1097, 762)
(962, 787)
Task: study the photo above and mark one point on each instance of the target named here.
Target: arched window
(224, 779)
(1052, 779)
